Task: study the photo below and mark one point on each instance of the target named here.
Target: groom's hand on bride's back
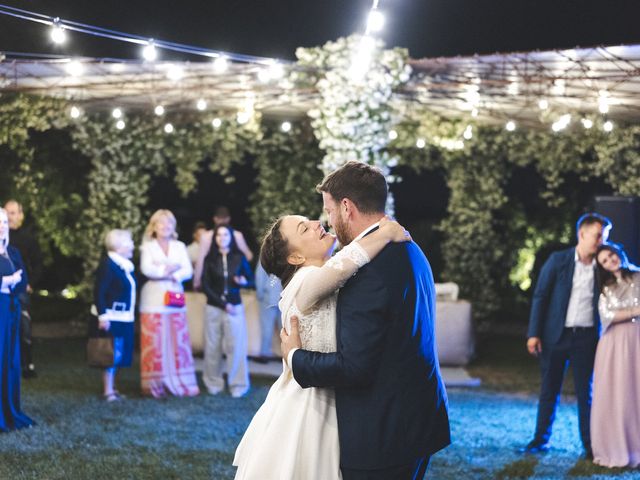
(290, 341)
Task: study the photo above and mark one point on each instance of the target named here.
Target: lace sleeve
(325, 280)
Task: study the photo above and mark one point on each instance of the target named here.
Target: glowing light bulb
(468, 133)
(474, 112)
(607, 126)
(263, 75)
(75, 68)
(175, 73)
(510, 126)
(276, 71)
(393, 134)
(120, 125)
(168, 128)
(201, 104)
(543, 104)
(116, 113)
(220, 64)
(149, 52)
(420, 143)
(375, 21)
(285, 127)
(587, 123)
(58, 35)
(159, 110)
(75, 112)
(216, 123)
(243, 117)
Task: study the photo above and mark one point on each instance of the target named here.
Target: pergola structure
(532, 89)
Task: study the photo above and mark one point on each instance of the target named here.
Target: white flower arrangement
(353, 113)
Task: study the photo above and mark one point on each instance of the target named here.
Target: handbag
(100, 352)
(174, 299)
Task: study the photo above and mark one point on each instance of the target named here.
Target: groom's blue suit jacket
(390, 398)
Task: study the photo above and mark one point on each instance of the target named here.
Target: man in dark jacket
(390, 399)
(23, 238)
(564, 328)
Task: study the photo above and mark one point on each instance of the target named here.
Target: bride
(294, 434)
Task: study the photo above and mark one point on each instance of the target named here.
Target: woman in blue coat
(13, 282)
(115, 301)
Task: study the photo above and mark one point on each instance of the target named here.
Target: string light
(116, 113)
(175, 73)
(562, 123)
(543, 104)
(468, 133)
(587, 123)
(58, 35)
(603, 101)
(286, 127)
(263, 75)
(168, 128)
(149, 52)
(420, 143)
(474, 112)
(220, 64)
(607, 126)
(120, 125)
(375, 21)
(216, 123)
(393, 134)
(510, 126)
(558, 87)
(75, 68)
(159, 110)
(276, 71)
(201, 104)
(74, 112)
(243, 117)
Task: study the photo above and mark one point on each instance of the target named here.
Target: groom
(390, 399)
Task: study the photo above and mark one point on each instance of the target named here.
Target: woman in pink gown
(615, 412)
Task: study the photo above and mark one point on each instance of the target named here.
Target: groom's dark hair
(363, 184)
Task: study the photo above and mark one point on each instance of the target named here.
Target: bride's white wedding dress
(294, 434)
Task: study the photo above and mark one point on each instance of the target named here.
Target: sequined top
(623, 294)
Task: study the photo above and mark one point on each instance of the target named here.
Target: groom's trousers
(577, 346)
(414, 471)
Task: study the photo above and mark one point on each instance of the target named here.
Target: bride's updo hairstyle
(274, 253)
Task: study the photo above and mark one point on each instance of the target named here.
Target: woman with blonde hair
(114, 299)
(166, 361)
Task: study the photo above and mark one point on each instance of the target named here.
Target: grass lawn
(80, 436)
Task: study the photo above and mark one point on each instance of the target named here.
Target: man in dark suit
(390, 399)
(564, 328)
(24, 239)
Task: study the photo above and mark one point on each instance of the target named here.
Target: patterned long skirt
(166, 362)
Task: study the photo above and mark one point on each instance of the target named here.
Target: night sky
(275, 28)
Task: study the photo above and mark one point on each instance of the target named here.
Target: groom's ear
(347, 206)
(295, 259)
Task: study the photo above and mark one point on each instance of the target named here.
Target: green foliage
(488, 244)
(287, 172)
(125, 162)
(37, 177)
